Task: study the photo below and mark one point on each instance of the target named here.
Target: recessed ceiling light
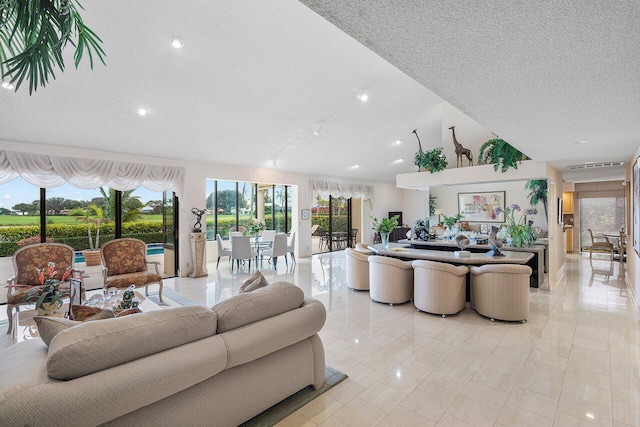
(317, 129)
(590, 415)
(355, 166)
(176, 42)
(399, 161)
(398, 142)
(362, 96)
(585, 141)
(7, 85)
(141, 111)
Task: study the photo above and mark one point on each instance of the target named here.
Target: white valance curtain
(47, 171)
(325, 189)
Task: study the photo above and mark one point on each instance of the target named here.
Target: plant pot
(92, 258)
(385, 239)
(47, 308)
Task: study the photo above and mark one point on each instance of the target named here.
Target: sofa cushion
(250, 307)
(94, 346)
(254, 282)
(49, 327)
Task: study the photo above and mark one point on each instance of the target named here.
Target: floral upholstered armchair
(124, 263)
(28, 262)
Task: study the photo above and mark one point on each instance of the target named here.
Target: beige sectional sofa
(184, 366)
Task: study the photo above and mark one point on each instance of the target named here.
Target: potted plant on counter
(385, 226)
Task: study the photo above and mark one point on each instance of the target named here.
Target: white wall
(415, 205)
(633, 260)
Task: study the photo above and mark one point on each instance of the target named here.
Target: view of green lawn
(13, 220)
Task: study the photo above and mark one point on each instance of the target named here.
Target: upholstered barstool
(439, 288)
(501, 291)
(357, 269)
(390, 280)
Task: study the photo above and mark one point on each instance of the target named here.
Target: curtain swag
(325, 189)
(53, 171)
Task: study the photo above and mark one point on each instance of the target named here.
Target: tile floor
(575, 362)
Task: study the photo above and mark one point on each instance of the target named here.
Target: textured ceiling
(541, 75)
(255, 77)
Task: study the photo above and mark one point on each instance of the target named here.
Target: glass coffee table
(24, 327)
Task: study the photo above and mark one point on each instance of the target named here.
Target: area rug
(283, 409)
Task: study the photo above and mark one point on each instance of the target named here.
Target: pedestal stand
(198, 241)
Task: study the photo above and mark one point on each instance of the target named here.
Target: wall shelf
(527, 169)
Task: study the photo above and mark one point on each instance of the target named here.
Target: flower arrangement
(256, 226)
(48, 296)
(521, 232)
(385, 225)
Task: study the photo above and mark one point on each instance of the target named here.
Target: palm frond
(33, 35)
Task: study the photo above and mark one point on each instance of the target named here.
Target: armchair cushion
(124, 256)
(29, 259)
(137, 279)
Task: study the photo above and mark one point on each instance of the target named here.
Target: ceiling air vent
(597, 165)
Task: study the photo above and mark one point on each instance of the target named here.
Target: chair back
(591, 235)
(314, 228)
(27, 261)
(279, 245)
(291, 242)
(124, 256)
(219, 243)
(241, 247)
(268, 235)
(235, 234)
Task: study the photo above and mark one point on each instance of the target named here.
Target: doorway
(331, 225)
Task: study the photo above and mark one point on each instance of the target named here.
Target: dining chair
(268, 235)
(622, 245)
(599, 245)
(235, 234)
(241, 250)
(222, 250)
(279, 248)
(291, 245)
(354, 235)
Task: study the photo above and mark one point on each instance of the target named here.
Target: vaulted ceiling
(254, 79)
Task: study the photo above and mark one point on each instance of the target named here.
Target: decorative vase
(47, 308)
(91, 258)
(384, 236)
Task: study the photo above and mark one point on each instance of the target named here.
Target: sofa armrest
(260, 338)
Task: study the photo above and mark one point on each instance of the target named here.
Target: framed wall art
(481, 207)
(636, 207)
(305, 214)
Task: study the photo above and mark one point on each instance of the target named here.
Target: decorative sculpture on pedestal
(495, 243)
(198, 213)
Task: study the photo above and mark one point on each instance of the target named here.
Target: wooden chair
(27, 261)
(599, 245)
(124, 263)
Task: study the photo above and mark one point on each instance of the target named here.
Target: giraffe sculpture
(460, 150)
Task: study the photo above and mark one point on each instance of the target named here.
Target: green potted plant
(48, 296)
(520, 230)
(501, 154)
(384, 227)
(450, 221)
(431, 160)
(538, 193)
(92, 255)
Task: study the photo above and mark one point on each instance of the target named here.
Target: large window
(232, 205)
(603, 215)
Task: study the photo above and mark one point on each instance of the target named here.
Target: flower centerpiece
(48, 296)
(256, 226)
(521, 232)
(384, 227)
